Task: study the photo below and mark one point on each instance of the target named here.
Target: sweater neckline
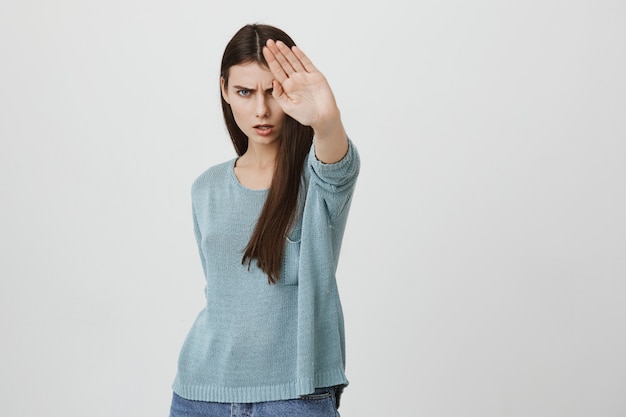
(231, 169)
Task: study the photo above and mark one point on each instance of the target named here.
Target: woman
(269, 226)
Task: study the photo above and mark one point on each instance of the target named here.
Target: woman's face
(249, 93)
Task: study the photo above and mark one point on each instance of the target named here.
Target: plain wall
(483, 270)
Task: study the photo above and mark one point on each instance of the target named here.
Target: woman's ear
(223, 88)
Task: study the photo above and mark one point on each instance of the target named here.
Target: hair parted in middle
(267, 243)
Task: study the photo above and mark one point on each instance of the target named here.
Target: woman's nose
(262, 107)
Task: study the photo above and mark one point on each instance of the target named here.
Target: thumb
(277, 91)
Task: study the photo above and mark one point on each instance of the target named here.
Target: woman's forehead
(250, 73)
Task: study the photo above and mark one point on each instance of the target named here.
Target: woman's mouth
(263, 130)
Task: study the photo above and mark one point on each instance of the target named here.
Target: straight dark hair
(267, 243)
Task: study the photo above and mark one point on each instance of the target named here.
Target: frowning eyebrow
(240, 87)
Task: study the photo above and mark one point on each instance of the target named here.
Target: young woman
(269, 226)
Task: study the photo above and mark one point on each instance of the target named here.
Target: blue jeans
(321, 403)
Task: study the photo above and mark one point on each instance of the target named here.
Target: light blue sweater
(254, 341)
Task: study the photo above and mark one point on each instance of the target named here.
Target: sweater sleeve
(336, 181)
(198, 235)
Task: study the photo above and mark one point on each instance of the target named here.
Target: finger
(274, 65)
(291, 57)
(306, 62)
(280, 57)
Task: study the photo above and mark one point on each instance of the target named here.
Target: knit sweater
(253, 341)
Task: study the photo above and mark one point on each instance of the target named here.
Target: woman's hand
(300, 89)
(304, 94)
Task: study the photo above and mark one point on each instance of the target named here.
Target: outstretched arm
(304, 94)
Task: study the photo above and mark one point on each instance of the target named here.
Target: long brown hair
(267, 243)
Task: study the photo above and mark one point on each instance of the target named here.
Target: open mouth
(264, 130)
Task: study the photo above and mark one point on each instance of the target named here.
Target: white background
(483, 271)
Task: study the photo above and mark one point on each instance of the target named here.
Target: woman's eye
(243, 93)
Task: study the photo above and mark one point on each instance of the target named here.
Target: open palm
(300, 89)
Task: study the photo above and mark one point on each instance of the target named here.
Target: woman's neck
(259, 156)
(255, 168)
